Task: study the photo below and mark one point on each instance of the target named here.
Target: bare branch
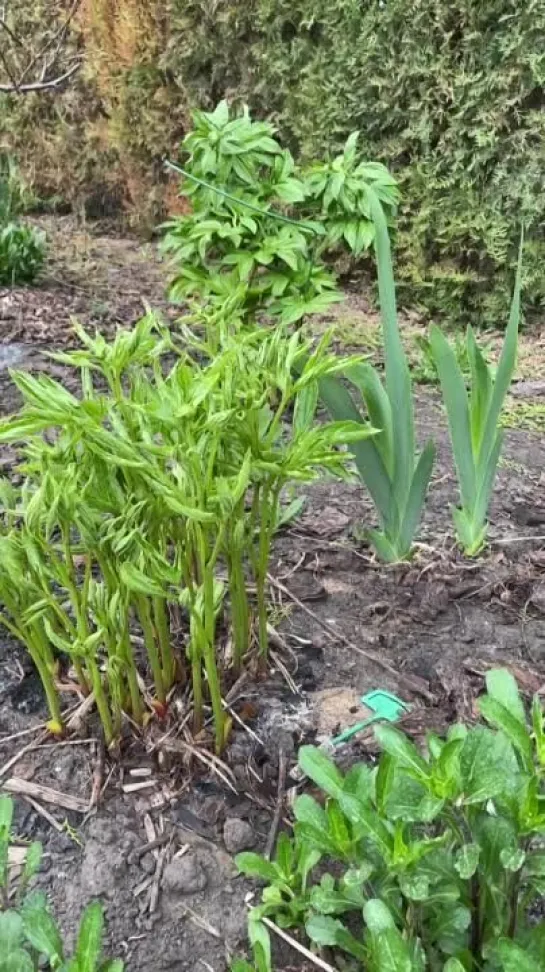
(40, 60)
(40, 85)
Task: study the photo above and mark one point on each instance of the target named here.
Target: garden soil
(152, 830)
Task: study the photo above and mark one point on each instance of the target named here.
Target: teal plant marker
(384, 706)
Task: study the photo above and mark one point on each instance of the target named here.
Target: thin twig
(503, 540)
(23, 732)
(320, 963)
(212, 762)
(241, 723)
(339, 636)
(202, 923)
(40, 85)
(283, 670)
(59, 36)
(45, 814)
(22, 752)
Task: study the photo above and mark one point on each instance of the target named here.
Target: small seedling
(30, 938)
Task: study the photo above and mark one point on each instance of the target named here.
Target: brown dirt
(436, 624)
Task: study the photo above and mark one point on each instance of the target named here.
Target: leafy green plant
(241, 235)
(159, 485)
(336, 192)
(396, 479)
(29, 934)
(14, 196)
(22, 248)
(429, 861)
(474, 420)
(22, 252)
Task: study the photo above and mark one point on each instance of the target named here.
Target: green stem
(210, 661)
(137, 710)
(268, 511)
(240, 610)
(79, 606)
(196, 679)
(168, 661)
(51, 694)
(209, 630)
(101, 701)
(144, 616)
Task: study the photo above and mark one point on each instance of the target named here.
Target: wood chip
(139, 785)
(45, 794)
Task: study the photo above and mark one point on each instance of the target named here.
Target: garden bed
(427, 631)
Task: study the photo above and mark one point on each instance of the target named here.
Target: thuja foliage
(429, 861)
(30, 938)
(159, 485)
(22, 247)
(261, 226)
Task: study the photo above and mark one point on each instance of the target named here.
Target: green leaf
(321, 770)
(454, 965)
(284, 855)
(417, 496)
(457, 406)
(305, 407)
(260, 941)
(11, 932)
(326, 899)
(513, 958)
(481, 390)
(33, 860)
(377, 916)
(41, 929)
(140, 582)
(488, 765)
(323, 930)
(89, 945)
(539, 729)
(367, 823)
(391, 952)
(405, 752)
(6, 816)
(369, 461)
(384, 781)
(499, 716)
(367, 380)
(466, 860)
(253, 865)
(16, 961)
(113, 965)
(506, 364)
(502, 687)
(414, 885)
(398, 381)
(512, 858)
